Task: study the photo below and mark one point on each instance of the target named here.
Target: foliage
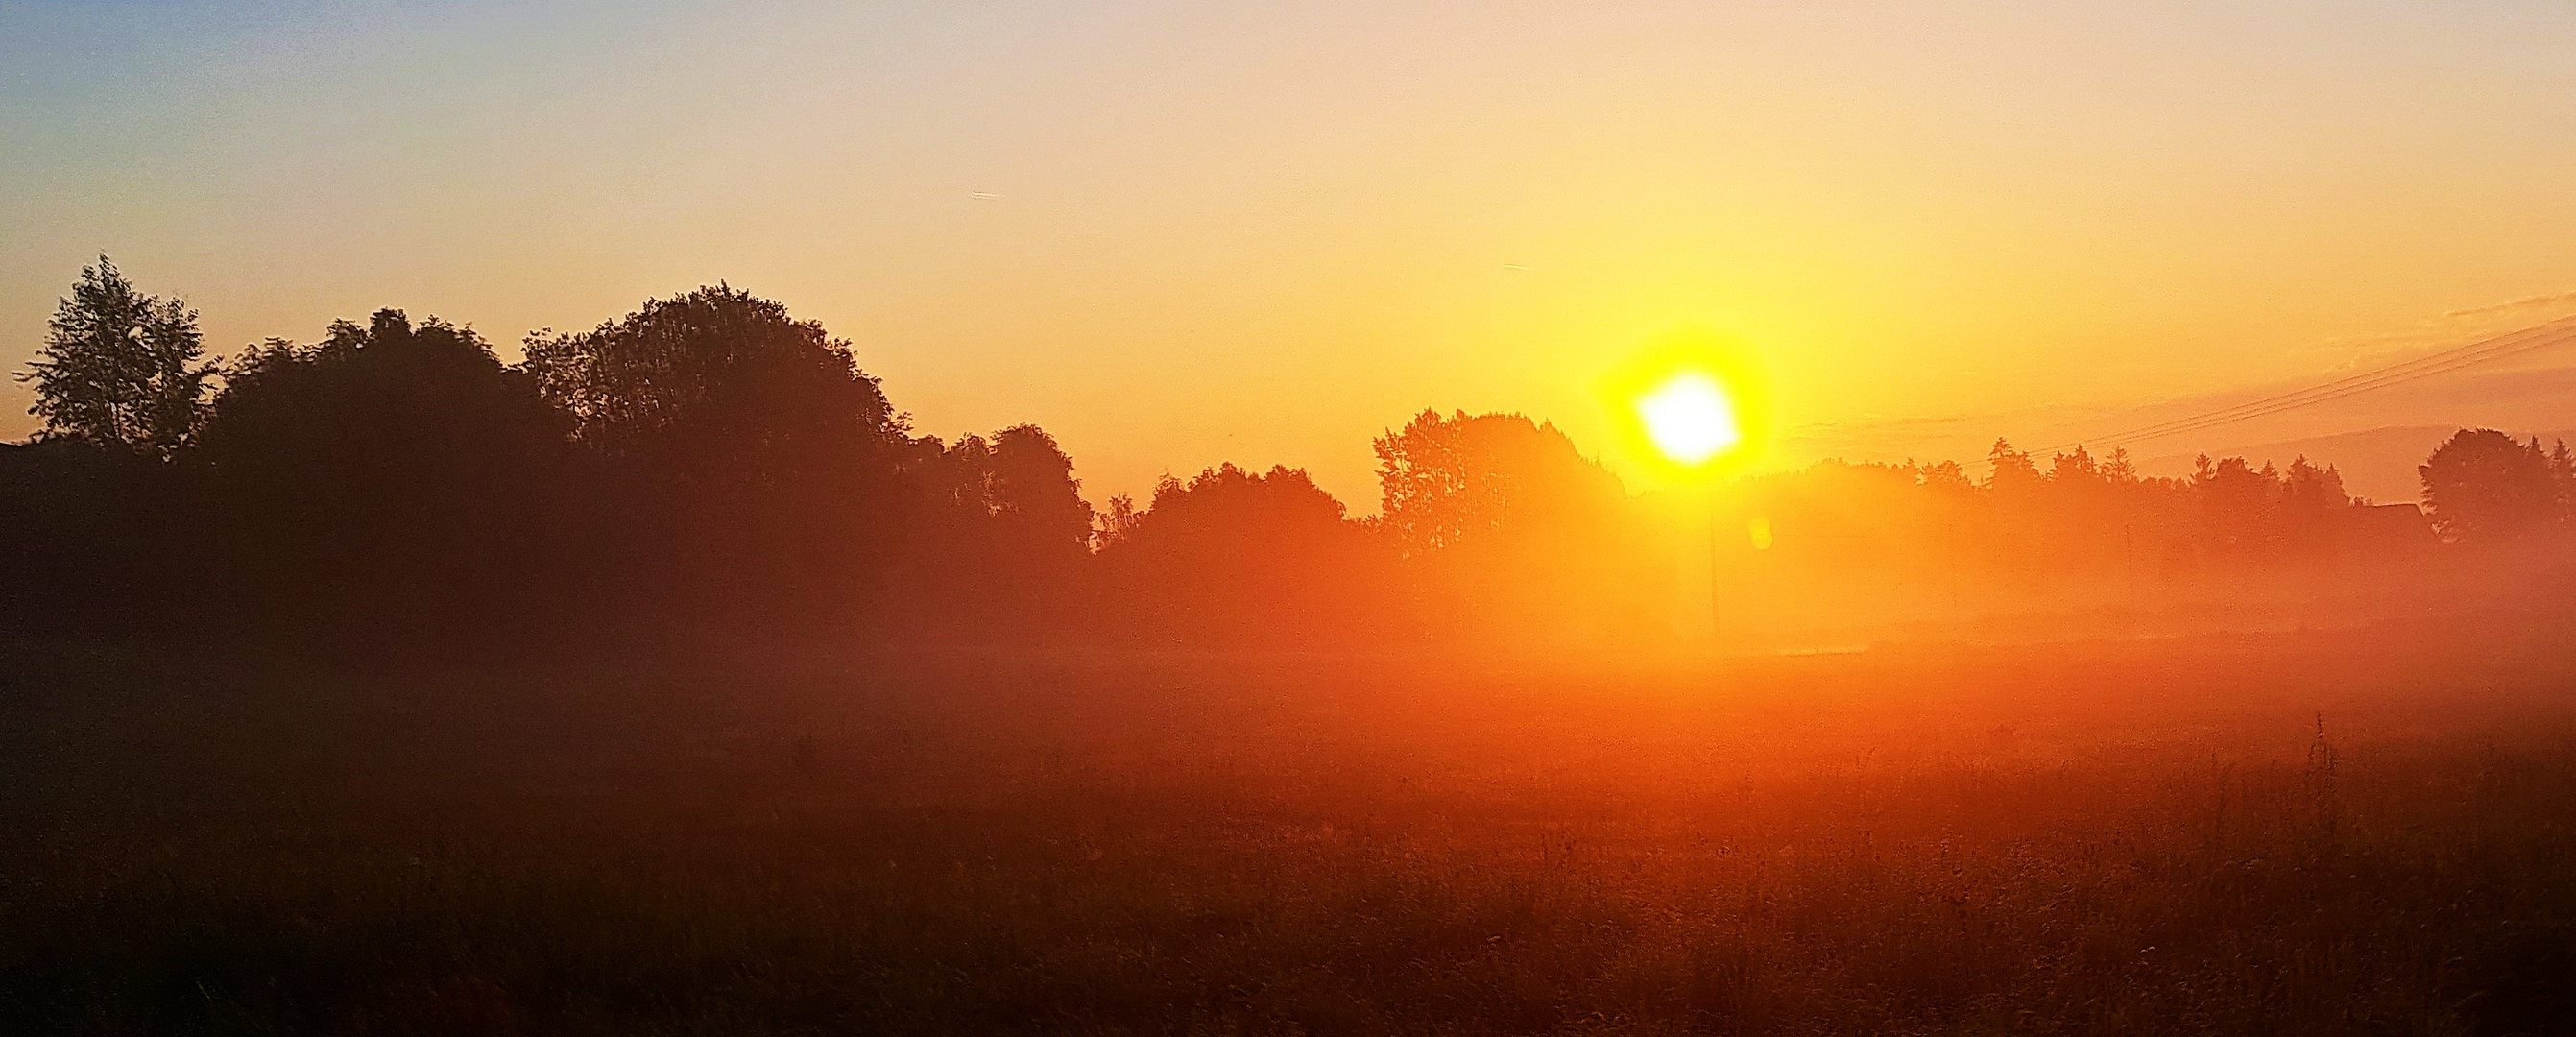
(120, 367)
(719, 376)
(389, 481)
(711, 463)
(401, 412)
(2481, 484)
(1020, 480)
(753, 468)
(996, 535)
(1237, 553)
(587, 829)
(1246, 507)
(1447, 481)
(2012, 471)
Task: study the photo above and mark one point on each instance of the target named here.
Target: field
(2355, 832)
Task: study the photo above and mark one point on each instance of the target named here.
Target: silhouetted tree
(756, 465)
(1508, 528)
(1248, 553)
(119, 367)
(2310, 491)
(1030, 488)
(1019, 484)
(2480, 484)
(2117, 468)
(389, 470)
(1116, 522)
(2239, 505)
(2010, 470)
(1444, 481)
(717, 376)
(2074, 467)
(1945, 475)
(2562, 464)
(2309, 513)
(386, 408)
(1242, 506)
(998, 533)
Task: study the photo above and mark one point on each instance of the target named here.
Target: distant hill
(2376, 463)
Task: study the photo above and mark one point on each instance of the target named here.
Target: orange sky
(1176, 234)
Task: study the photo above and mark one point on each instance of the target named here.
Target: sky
(1176, 234)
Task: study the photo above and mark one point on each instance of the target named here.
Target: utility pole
(1715, 590)
(2129, 567)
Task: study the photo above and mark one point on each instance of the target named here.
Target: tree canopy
(718, 375)
(712, 462)
(2480, 484)
(120, 367)
(1444, 481)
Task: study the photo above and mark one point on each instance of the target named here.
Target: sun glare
(1689, 418)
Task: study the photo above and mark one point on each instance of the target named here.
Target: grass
(2098, 838)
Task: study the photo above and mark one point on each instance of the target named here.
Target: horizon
(1274, 519)
(2378, 464)
(1176, 238)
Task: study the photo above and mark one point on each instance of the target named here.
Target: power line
(2539, 336)
(2470, 355)
(2438, 363)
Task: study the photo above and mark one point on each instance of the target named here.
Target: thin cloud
(2536, 300)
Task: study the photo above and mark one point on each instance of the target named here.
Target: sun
(1687, 408)
(1689, 417)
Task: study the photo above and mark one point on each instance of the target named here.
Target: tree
(393, 475)
(996, 532)
(2077, 467)
(1245, 553)
(2308, 489)
(1019, 482)
(1444, 481)
(1244, 510)
(119, 367)
(2012, 470)
(1034, 492)
(2240, 505)
(2117, 469)
(2480, 484)
(394, 408)
(2314, 507)
(718, 378)
(755, 469)
(1116, 523)
(1507, 529)
(1946, 476)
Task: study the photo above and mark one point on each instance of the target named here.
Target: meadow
(2325, 832)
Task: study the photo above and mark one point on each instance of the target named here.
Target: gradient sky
(1176, 234)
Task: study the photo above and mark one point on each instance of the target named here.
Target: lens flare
(1689, 418)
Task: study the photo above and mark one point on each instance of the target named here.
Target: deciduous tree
(120, 367)
(2480, 484)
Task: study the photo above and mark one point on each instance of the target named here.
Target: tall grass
(2087, 839)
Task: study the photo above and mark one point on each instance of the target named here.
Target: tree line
(710, 463)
